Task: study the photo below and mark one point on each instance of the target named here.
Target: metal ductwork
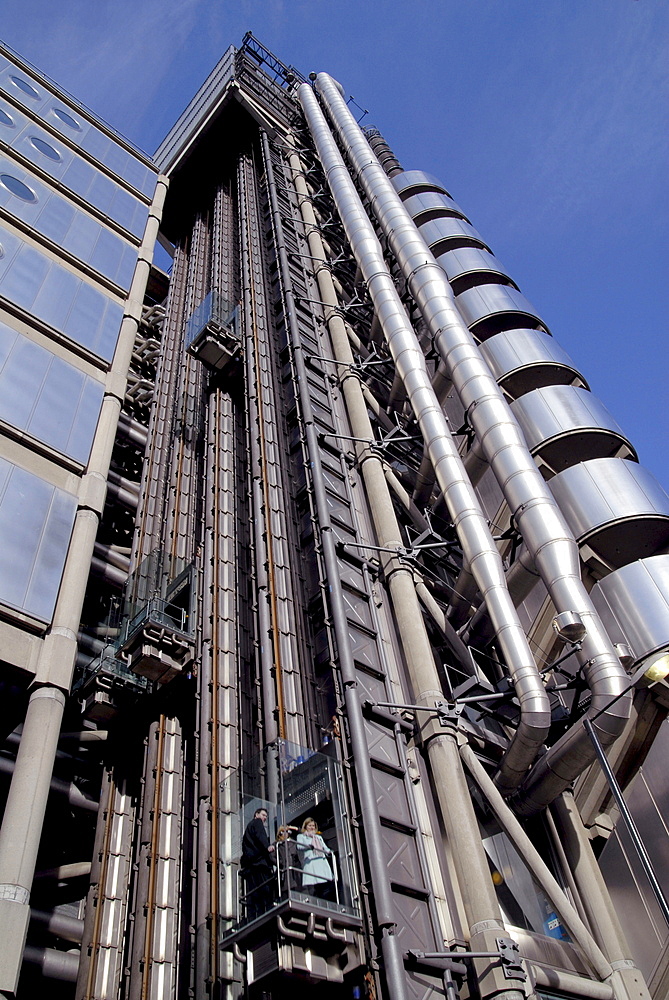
(450, 233)
(470, 266)
(644, 583)
(523, 360)
(432, 205)
(532, 506)
(617, 510)
(489, 309)
(470, 522)
(412, 182)
(563, 424)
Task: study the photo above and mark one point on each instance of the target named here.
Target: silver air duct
(463, 505)
(530, 502)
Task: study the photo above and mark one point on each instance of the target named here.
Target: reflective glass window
(25, 86)
(58, 297)
(66, 118)
(70, 227)
(6, 119)
(45, 147)
(56, 218)
(35, 526)
(16, 187)
(47, 396)
(79, 175)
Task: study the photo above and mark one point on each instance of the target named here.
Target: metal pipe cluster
(530, 502)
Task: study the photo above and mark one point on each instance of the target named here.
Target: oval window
(24, 86)
(6, 119)
(17, 187)
(67, 119)
(44, 147)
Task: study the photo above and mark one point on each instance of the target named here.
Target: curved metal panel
(564, 425)
(449, 233)
(470, 260)
(634, 605)
(617, 508)
(522, 360)
(431, 205)
(411, 182)
(488, 309)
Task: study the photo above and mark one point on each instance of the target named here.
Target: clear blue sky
(546, 119)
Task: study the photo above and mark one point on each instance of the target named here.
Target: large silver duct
(463, 505)
(530, 502)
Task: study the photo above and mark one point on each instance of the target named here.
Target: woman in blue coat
(317, 877)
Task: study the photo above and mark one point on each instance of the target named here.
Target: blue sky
(546, 119)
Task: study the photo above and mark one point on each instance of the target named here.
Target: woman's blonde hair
(308, 820)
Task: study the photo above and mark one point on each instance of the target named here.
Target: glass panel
(289, 840)
(101, 191)
(54, 300)
(85, 421)
(56, 218)
(55, 295)
(23, 278)
(35, 525)
(57, 404)
(21, 380)
(79, 175)
(47, 396)
(16, 187)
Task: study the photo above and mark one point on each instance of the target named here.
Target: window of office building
(36, 521)
(58, 297)
(46, 396)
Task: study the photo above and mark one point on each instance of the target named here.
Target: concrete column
(22, 827)
(627, 981)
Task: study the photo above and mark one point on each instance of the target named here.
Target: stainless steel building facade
(321, 525)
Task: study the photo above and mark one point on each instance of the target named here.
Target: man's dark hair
(258, 811)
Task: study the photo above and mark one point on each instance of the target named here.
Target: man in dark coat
(257, 865)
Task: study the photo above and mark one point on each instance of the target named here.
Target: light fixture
(658, 669)
(569, 626)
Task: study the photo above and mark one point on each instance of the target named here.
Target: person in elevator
(257, 865)
(317, 877)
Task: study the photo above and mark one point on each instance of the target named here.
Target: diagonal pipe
(530, 502)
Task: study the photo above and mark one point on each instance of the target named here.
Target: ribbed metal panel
(412, 182)
(564, 425)
(488, 309)
(618, 508)
(523, 360)
(634, 605)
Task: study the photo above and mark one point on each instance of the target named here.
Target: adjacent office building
(327, 587)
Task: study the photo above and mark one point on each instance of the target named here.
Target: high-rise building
(327, 587)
